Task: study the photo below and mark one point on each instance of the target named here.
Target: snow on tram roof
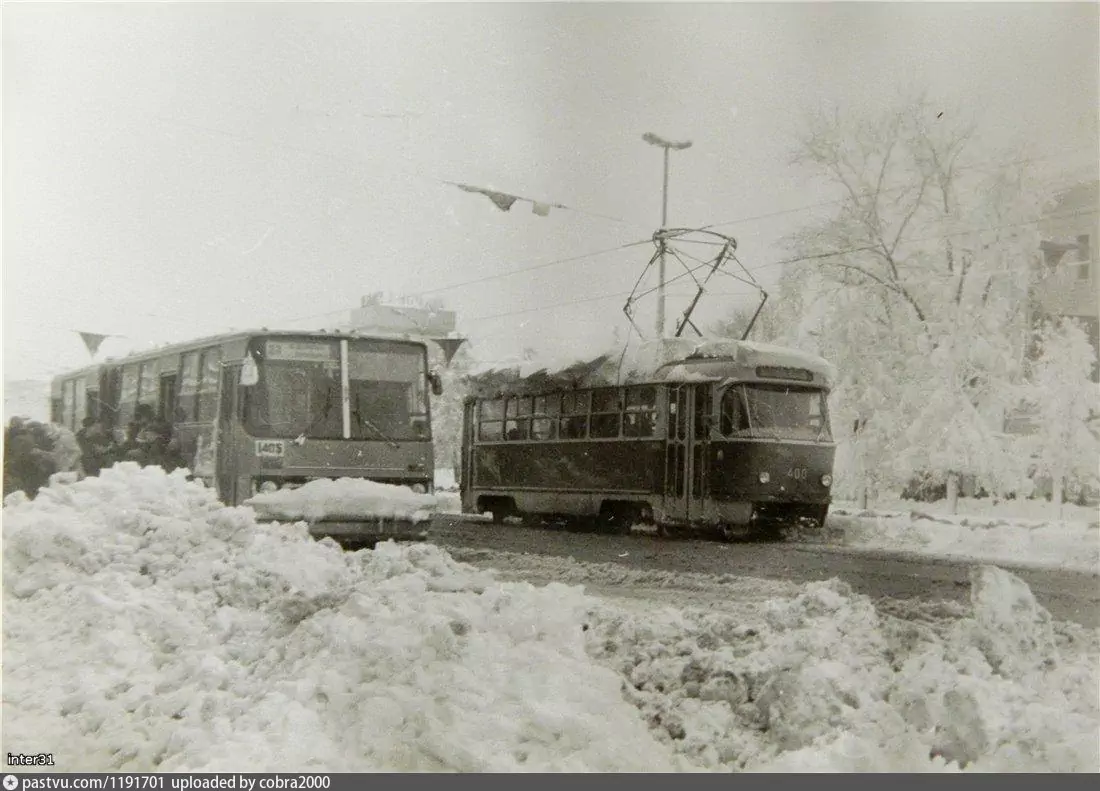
(669, 359)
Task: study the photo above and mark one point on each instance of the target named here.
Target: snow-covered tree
(916, 290)
(1060, 391)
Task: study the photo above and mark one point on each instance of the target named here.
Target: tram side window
(544, 423)
(518, 413)
(606, 413)
(491, 424)
(574, 420)
(734, 418)
(640, 412)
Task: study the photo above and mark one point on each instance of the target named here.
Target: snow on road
(1012, 532)
(147, 627)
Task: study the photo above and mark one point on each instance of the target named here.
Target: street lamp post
(653, 139)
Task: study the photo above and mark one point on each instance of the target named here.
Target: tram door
(688, 429)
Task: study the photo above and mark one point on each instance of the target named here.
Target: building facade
(1068, 282)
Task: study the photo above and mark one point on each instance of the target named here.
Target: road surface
(1067, 595)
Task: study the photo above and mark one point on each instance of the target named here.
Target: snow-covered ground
(1013, 532)
(148, 627)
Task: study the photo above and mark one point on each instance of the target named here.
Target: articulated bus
(259, 411)
(736, 443)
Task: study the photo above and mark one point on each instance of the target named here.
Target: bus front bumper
(369, 531)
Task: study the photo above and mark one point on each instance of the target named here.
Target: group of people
(34, 451)
(149, 440)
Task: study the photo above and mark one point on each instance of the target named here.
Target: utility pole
(653, 139)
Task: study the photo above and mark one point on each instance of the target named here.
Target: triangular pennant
(502, 201)
(450, 346)
(92, 341)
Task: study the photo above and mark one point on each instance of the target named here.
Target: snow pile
(823, 682)
(1072, 545)
(149, 628)
(345, 498)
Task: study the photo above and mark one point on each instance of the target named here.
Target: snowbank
(345, 498)
(823, 682)
(1072, 545)
(148, 627)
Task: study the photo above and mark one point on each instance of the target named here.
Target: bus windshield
(300, 390)
(774, 411)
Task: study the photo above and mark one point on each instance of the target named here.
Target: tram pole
(667, 145)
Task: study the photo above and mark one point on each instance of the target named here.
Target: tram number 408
(798, 473)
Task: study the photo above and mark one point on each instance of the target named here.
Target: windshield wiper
(382, 435)
(325, 410)
(358, 412)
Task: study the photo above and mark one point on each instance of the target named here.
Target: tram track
(881, 575)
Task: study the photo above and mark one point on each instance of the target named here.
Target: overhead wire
(797, 259)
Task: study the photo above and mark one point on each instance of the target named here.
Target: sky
(177, 170)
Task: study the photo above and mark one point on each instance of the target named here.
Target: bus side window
(188, 391)
(91, 399)
(207, 396)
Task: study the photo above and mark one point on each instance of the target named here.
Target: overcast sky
(173, 170)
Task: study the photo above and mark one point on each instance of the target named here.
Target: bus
(732, 438)
(260, 411)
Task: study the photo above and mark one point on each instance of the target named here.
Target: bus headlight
(764, 477)
(268, 486)
(419, 488)
(826, 480)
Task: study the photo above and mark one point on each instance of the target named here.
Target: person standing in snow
(28, 457)
(135, 446)
(95, 446)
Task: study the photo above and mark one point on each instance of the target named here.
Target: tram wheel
(730, 533)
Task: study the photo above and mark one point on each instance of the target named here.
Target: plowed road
(1068, 595)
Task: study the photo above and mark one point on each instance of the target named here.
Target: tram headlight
(419, 488)
(764, 477)
(826, 480)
